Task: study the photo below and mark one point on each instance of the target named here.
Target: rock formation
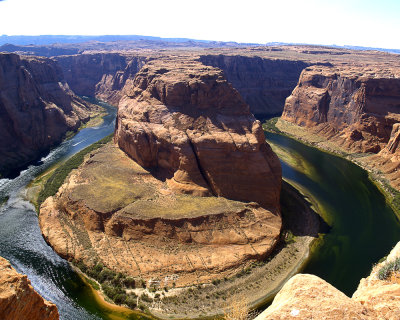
(100, 75)
(166, 215)
(18, 299)
(308, 297)
(36, 109)
(355, 108)
(189, 124)
(263, 83)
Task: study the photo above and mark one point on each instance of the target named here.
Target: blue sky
(351, 22)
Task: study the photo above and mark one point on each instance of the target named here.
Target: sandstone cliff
(36, 109)
(18, 299)
(167, 214)
(308, 297)
(113, 211)
(354, 108)
(263, 83)
(185, 121)
(100, 75)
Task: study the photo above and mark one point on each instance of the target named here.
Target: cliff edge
(18, 299)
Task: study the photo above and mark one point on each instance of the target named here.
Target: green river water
(364, 228)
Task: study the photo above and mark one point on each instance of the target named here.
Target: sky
(372, 23)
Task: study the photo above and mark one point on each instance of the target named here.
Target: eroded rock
(18, 299)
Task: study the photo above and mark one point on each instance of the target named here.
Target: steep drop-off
(36, 109)
(100, 75)
(166, 215)
(355, 108)
(263, 83)
(18, 299)
(306, 296)
(185, 121)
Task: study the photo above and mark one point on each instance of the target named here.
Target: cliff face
(114, 211)
(18, 299)
(185, 120)
(166, 214)
(36, 109)
(263, 83)
(100, 75)
(308, 297)
(353, 106)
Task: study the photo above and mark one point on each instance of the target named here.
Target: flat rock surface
(114, 211)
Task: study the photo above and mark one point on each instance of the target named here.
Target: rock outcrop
(199, 201)
(18, 299)
(185, 121)
(308, 297)
(36, 109)
(114, 211)
(355, 107)
(100, 75)
(263, 83)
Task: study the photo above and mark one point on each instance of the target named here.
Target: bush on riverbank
(60, 174)
(389, 269)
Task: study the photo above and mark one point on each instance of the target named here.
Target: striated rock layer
(18, 299)
(185, 122)
(264, 83)
(36, 109)
(166, 215)
(308, 297)
(100, 75)
(357, 108)
(114, 211)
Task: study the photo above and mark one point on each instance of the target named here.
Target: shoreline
(375, 177)
(260, 280)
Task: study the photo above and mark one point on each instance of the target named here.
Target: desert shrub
(144, 297)
(388, 269)
(131, 302)
(129, 282)
(106, 274)
(237, 310)
(120, 298)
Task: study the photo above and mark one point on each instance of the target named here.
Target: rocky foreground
(306, 296)
(18, 299)
(36, 109)
(199, 200)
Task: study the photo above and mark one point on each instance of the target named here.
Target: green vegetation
(270, 125)
(388, 269)
(113, 284)
(4, 200)
(60, 174)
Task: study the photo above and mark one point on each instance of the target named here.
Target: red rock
(18, 299)
(185, 121)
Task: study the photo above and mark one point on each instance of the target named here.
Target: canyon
(188, 192)
(18, 298)
(160, 199)
(37, 109)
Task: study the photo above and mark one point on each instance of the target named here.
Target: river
(364, 228)
(22, 244)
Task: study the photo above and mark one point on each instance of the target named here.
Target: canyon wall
(37, 108)
(100, 75)
(18, 299)
(350, 105)
(355, 108)
(263, 83)
(186, 121)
